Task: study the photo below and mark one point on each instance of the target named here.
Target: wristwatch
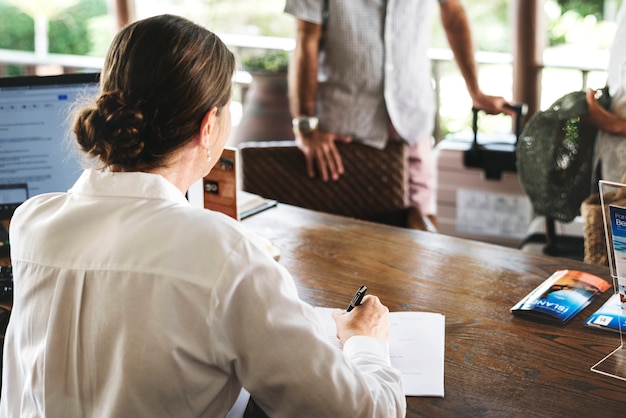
(305, 125)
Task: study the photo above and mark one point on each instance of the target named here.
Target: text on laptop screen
(37, 151)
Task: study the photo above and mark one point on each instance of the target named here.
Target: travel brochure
(618, 233)
(610, 315)
(567, 292)
(561, 296)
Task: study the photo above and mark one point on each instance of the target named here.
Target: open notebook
(416, 348)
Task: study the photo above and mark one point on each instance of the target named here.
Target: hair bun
(125, 122)
(121, 127)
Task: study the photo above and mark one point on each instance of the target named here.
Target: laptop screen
(37, 153)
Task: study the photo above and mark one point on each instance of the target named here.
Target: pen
(356, 300)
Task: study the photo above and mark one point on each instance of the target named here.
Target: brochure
(618, 233)
(608, 316)
(561, 296)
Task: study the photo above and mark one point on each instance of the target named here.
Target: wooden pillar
(529, 35)
(124, 12)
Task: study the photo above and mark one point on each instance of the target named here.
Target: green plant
(273, 61)
(68, 31)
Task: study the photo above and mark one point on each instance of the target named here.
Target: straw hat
(554, 156)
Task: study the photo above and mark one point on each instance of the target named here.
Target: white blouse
(129, 302)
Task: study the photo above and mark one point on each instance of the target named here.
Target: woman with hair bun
(128, 301)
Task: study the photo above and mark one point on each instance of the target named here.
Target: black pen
(356, 300)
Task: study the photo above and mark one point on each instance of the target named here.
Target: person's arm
(457, 28)
(282, 354)
(303, 69)
(318, 147)
(602, 118)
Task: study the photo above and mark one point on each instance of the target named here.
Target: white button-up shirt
(373, 67)
(129, 302)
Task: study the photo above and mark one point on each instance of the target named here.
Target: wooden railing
(57, 63)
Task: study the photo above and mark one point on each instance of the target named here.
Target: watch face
(307, 125)
(304, 126)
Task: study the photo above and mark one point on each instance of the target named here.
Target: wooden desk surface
(495, 364)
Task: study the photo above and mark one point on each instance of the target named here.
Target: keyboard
(6, 282)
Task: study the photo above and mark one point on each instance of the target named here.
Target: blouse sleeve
(279, 351)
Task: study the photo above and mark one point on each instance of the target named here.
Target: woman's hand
(370, 318)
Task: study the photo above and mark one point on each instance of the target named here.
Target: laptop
(37, 153)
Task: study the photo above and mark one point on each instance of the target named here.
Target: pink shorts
(422, 174)
(422, 177)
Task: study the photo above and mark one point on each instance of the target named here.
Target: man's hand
(370, 319)
(602, 118)
(492, 105)
(320, 152)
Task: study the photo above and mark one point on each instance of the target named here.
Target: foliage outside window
(70, 32)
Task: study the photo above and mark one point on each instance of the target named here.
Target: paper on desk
(416, 348)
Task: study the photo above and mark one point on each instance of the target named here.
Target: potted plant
(266, 115)
(269, 62)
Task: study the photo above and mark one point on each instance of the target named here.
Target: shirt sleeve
(280, 353)
(309, 10)
(371, 356)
